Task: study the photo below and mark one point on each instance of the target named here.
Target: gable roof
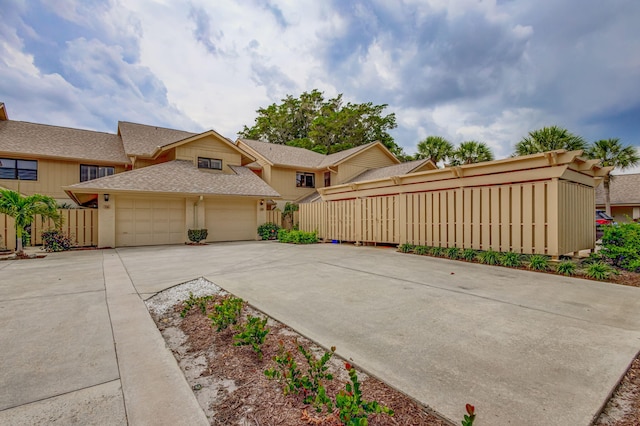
(291, 156)
(395, 170)
(142, 140)
(42, 140)
(179, 177)
(623, 189)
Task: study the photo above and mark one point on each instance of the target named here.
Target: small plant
(511, 259)
(469, 254)
(489, 257)
(470, 416)
(538, 262)
(421, 250)
(453, 253)
(406, 248)
(54, 241)
(313, 382)
(253, 333)
(197, 235)
(598, 271)
(287, 371)
(353, 410)
(437, 251)
(201, 302)
(268, 231)
(297, 237)
(226, 313)
(566, 267)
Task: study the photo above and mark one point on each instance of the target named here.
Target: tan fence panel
(7, 232)
(573, 222)
(274, 216)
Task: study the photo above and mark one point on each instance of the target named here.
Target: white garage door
(231, 220)
(144, 222)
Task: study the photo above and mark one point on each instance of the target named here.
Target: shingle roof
(384, 172)
(623, 189)
(285, 155)
(336, 157)
(22, 138)
(142, 140)
(183, 177)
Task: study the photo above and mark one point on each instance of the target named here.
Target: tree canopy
(434, 148)
(471, 152)
(549, 139)
(325, 126)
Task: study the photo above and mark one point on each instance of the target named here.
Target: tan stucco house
(624, 191)
(151, 184)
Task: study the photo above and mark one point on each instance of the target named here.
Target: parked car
(602, 218)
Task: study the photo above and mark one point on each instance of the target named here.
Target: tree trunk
(19, 249)
(607, 195)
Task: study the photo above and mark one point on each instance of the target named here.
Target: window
(209, 163)
(88, 172)
(327, 178)
(11, 168)
(305, 180)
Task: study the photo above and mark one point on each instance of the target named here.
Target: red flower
(347, 366)
(470, 409)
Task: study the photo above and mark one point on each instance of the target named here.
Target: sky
(464, 69)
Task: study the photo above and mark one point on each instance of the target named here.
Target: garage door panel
(231, 220)
(150, 221)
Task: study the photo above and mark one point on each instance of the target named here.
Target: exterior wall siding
(209, 147)
(548, 217)
(284, 181)
(370, 159)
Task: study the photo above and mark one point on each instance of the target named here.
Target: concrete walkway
(79, 347)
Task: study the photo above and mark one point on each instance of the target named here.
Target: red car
(602, 218)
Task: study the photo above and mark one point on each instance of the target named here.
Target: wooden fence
(81, 225)
(549, 217)
(275, 216)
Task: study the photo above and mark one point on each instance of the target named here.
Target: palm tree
(435, 148)
(23, 210)
(549, 139)
(470, 152)
(610, 152)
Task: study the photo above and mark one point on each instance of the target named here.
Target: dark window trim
(98, 169)
(209, 163)
(305, 180)
(16, 172)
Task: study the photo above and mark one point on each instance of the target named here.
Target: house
(624, 192)
(297, 173)
(151, 184)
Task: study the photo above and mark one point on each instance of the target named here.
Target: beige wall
(210, 147)
(370, 159)
(284, 181)
(231, 218)
(52, 176)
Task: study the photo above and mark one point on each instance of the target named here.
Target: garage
(231, 219)
(150, 221)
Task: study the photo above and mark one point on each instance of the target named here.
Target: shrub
(538, 262)
(297, 237)
(201, 302)
(621, 244)
(598, 271)
(469, 254)
(489, 257)
(453, 253)
(252, 333)
(226, 313)
(566, 267)
(437, 251)
(422, 250)
(197, 235)
(268, 231)
(54, 240)
(634, 266)
(511, 259)
(406, 248)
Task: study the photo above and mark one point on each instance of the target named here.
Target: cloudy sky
(464, 69)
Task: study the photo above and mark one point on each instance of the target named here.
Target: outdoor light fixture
(261, 202)
(106, 197)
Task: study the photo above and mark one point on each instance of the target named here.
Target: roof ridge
(61, 127)
(161, 127)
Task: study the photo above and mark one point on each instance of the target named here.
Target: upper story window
(89, 172)
(209, 163)
(10, 168)
(305, 180)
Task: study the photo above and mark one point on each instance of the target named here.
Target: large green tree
(470, 152)
(549, 139)
(23, 209)
(326, 126)
(611, 152)
(434, 148)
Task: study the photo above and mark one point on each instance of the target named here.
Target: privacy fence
(275, 216)
(551, 210)
(81, 225)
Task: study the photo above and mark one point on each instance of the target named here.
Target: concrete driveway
(524, 348)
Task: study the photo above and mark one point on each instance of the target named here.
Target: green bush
(252, 333)
(268, 231)
(489, 257)
(197, 235)
(538, 262)
(453, 253)
(54, 240)
(566, 267)
(511, 259)
(422, 250)
(406, 248)
(297, 237)
(226, 313)
(621, 244)
(469, 254)
(437, 251)
(598, 271)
